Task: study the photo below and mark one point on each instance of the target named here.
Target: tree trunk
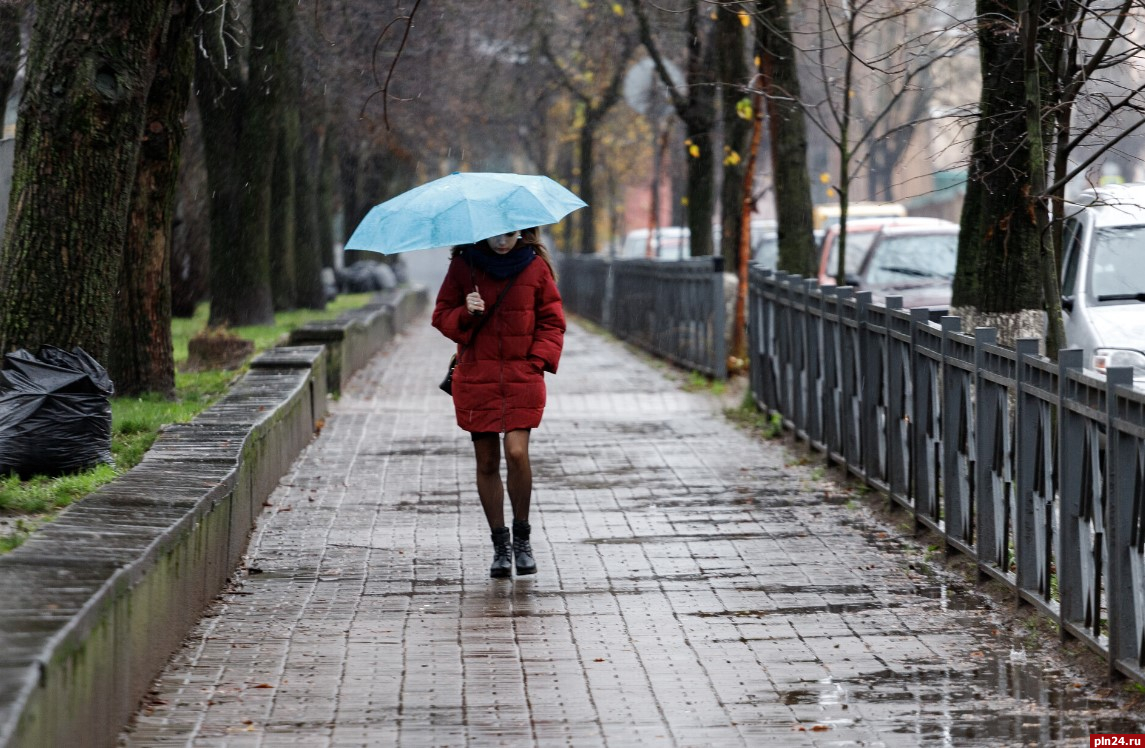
(739, 355)
(11, 18)
(77, 136)
(1037, 200)
(328, 180)
(998, 248)
(191, 229)
(309, 292)
(696, 112)
(699, 121)
(240, 126)
(587, 193)
(788, 133)
(733, 75)
(283, 218)
(141, 356)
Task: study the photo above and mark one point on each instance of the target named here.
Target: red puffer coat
(499, 382)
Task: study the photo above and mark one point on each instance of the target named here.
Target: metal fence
(1035, 470)
(675, 310)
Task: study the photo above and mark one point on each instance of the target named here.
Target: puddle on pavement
(848, 606)
(419, 451)
(948, 597)
(952, 597)
(1005, 697)
(706, 538)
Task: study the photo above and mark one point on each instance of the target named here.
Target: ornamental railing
(674, 310)
(1034, 469)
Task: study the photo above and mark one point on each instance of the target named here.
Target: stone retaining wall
(94, 603)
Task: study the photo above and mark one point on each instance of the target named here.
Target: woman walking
(499, 302)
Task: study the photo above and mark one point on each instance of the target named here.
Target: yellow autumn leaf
(712, 15)
(743, 108)
(830, 192)
(684, 201)
(694, 151)
(731, 159)
(758, 62)
(618, 9)
(824, 178)
(745, 19)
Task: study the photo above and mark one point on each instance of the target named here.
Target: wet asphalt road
(697, 587)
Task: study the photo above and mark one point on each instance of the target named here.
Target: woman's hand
(474, 303)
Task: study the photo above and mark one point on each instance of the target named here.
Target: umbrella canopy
(462, 208)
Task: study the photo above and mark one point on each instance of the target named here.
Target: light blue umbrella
(462, 208)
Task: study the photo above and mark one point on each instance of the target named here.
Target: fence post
(839, 370)
(754, 277)
(719, 321)
(606, 312)
(918, 453)
(1070, 441)
(898, 410)
(804, 378)
(956, 525)
(874, 389)
(1120, 472)
(985, 415)
(1025, 450)
(861, 380)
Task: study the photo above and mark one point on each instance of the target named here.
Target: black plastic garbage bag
(55, 412)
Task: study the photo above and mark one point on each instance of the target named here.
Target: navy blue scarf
(499, 266)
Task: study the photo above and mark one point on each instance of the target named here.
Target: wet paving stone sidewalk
(697, 586)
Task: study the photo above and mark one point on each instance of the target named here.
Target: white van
(1103, 277)
(668, 243)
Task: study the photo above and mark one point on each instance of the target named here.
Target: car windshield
(913, 259)
(1117, 272)
(858, 243)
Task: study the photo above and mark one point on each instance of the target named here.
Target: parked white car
(668, 243)
(1103, 277)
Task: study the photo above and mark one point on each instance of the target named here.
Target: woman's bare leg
(520, 472)
(489, 486)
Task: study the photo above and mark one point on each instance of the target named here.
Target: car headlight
(1106, 357)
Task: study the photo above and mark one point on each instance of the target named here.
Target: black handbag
(446, 385)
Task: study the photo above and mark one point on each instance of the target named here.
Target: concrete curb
(352, 338)
(93, 604)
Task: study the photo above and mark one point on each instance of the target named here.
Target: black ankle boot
(502, 554)
(522, 551)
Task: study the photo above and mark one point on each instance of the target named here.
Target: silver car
(1103, 277)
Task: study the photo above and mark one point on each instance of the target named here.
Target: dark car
(914, 262)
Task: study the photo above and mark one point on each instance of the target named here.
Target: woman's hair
(530, 237)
